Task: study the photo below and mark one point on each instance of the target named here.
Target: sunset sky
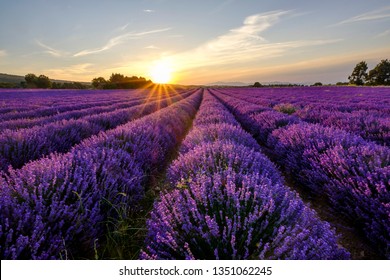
(199, 42)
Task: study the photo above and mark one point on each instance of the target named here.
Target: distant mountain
(230, 84)
(16, 79)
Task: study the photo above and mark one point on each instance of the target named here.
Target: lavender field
(202, 173)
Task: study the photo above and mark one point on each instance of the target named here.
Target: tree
(119, 81)
(43, 82)
(257, 84)
(116, 78)
(99, 82)
(31, 80)
(380, 75)
(55, 85)
(359, 74)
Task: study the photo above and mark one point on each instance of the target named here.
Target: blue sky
(199, 41)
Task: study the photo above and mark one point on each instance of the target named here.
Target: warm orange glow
(160, 93)
(161, 72)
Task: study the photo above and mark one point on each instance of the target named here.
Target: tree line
(42, 81)
(378, 76)
(116, 81)
(119, 81)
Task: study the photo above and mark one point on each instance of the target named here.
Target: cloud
(384, 33)
(241, 45)
(331, 68)
(383, 13)
(123, 28)
(3, 53)
(118, 40)
(327, 69)
(148, 11)
(50, 50)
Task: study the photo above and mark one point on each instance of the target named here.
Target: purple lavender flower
(21, 146)
(352, 173)
(61, 205)
(228, 202)
(234, 216)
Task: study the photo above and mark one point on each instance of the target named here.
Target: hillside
(16, 79)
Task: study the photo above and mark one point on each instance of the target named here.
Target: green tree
(99, 82)
(359, 74)
(43, 82)
(55, 85)
(380, 75)
(119, 81)
(116, 78)
(31, 80)
(257, 84)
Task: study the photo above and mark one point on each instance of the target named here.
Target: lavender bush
(371, 125)
(352, 173)
(19, 147)
(228, 202)
(237, 217)
(59, 206)
(210, 133)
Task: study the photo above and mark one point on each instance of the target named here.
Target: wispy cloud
(384, 34)
(119, 40)
(335, 67)
(148, 11)
(52, 51)
(383, 13)
(242, 45)
(123, 27)
(3, 53)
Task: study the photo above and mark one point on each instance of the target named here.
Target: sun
(161, 72)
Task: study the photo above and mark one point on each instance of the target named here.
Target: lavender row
(6, 108)
(344, 99)
(55, 98)
(363, 118)
(52, 102)
(62, 205)
(62, 97)
(28, 107)
(228, 202)
(370, 125)
(15, 124)
(21, 146)
(353, 174)
(45, 111)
